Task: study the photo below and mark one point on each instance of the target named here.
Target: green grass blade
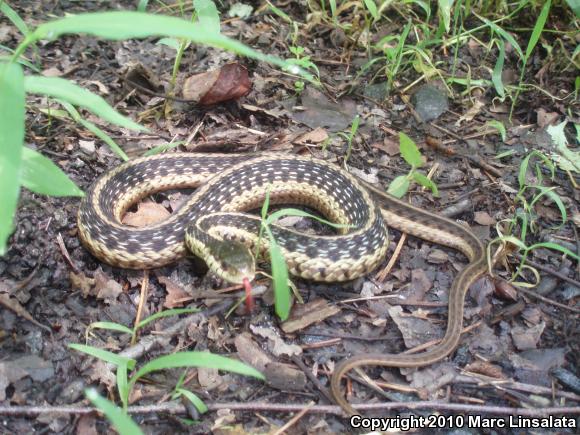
(40, 175)
(280, 279)
(554, 247)
(13, 16)
(76, 116)
(197, 402)
(125, 25)
(11, 140)
(111, 326)
(63, 89)
(103, 355)
(505, 35)
(196, 359)
(538, 28)
(120, 421)
(207, 15)
(123, 385)
(166, 313)
(444, 11)
(498, 69)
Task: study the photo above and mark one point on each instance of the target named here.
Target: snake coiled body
(234, 183)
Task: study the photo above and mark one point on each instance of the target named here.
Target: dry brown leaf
(315, 136)
(305, 315)
(483, 218)
(176, 295)
(228, 83)
(106, 288)
(147, 213)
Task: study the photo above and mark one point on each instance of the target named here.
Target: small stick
(142, 298)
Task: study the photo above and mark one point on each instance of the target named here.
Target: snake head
(235, 262)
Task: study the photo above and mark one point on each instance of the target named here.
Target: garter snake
(214, 227)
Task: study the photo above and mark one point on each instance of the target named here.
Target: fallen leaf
(176, 295)
(483, 218)
(315, 136)
(230, 82)
(305, 315)
(147, 213)
(106, 288)
(527, 338)
(278, 346)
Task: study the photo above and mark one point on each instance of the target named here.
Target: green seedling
(411, 154)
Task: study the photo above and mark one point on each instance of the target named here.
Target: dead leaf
(176, 295)
(547, 118)
(285, 377)
(415, 331)
(209, 378)
(34, 366)
(147, 213)
(527, 338)
(81, 282)
(230, 82)
(483, 218)
(305, 315)
(106, 288)
(471, 113)
(315, 136)
(250, 352)
(486, 368)
(278, 346)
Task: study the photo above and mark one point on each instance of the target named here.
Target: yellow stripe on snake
(212, 225)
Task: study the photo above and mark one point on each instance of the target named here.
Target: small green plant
(524, 221)
(300, 59)
(176, 360)
(411, 154)
(280, 276)
(112, 326)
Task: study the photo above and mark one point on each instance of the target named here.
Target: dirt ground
(521, 346)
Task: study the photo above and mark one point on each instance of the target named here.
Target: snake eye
(235, 260)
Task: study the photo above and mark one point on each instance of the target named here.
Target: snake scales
(214, 227)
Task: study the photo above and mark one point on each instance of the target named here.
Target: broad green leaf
(575, 6)
(372, 8)
(426, 182)
(111, 326)
(65, 90)
(13, 16)
(170, 42)
(120, 421)
(399, 186)
(208, 17)
(11, 141)
(538, 28)
(166, 313)
(280, 278)
(409, 151)
(125, 25)
(498, 68)
(104, 355)
(444, 12)
(40, 175)
(142, 5)
(196, 359)
(197, 402)
(76, 116)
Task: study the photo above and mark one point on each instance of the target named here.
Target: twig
(142, 299)
(545, 299)
(382, 275)
(178, 408)
(296, 360)
(294, 419)
(65, 253)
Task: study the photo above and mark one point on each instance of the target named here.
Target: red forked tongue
(249, 299)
